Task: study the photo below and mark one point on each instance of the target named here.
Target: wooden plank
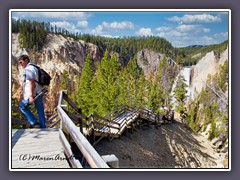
(55, 123)
(52, 118)
(111, 160)
(37, 148)
(20, 121)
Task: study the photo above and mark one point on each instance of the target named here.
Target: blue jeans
(40, 109)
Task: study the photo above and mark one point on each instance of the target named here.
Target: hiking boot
(36, 125)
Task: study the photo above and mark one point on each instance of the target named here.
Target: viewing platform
(37, 148)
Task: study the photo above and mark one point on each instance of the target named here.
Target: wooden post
(80, 120)
(111, 160)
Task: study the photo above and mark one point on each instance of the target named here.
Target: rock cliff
(149, 61)
(208, 65)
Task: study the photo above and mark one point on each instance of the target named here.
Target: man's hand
(31, 99)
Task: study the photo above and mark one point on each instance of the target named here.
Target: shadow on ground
(168, 146)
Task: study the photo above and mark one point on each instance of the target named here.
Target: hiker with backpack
(31, 88)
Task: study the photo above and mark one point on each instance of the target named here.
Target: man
(30, 88)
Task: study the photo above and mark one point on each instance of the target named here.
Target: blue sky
(180, 28)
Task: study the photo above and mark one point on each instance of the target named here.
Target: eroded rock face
(208, 65)
(149, 61)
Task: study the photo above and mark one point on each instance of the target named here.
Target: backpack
(43, 77)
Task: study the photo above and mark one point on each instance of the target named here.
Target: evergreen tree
(180, 96)
(179, 61)
(84, 91)
(123, 92)
(132, 75)
(142, 87)
(64, 80)
(107, 84)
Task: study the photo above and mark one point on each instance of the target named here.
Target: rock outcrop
(149, 61)
(208, 65)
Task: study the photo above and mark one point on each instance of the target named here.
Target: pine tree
(107, 84)
(95, 95)
(84, 91)
(132, 75)
(64, 80)
(123, 92)
(142, 87)
(180, 96)
(179, 61)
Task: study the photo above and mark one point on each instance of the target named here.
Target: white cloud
(185, 27)
(162, 29)
(172, 33)
(221, 35)
(117, 25)
(107, 35)
(98, 30)
(144, 32)
(176, 33)
(82, 24)
(53, 15)
(162, 34)
(106, 27)
(207, 18)
(206, 30)
(65, 25)
(209, 40)
(194, 28)
(185, 34)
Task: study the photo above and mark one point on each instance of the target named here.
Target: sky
(180, 27)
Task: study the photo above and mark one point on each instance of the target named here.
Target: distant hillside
(192, 54)
(195, 46)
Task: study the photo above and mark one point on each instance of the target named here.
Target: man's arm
(32, 88)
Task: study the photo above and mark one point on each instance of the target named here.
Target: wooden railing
(68, 127)
(147, 114)
(52, 122)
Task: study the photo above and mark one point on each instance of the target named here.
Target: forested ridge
(33, 35)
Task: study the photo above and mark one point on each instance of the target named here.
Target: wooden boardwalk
(37, 148)
(44, 148)
(119, 124)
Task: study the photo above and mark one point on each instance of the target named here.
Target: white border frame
(120, 10)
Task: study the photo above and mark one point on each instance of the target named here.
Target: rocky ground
(169, 146)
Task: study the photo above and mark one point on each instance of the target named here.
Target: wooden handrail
(67, 148)
(87, 150)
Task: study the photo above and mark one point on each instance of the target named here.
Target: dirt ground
(168, 146)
